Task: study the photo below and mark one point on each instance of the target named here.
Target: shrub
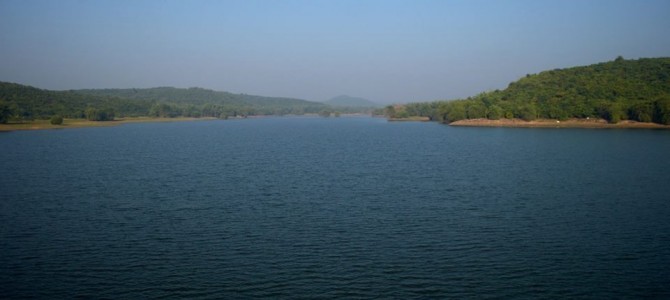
(56, 120)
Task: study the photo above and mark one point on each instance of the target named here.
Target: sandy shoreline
(548, 123)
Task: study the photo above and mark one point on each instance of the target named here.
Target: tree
(5, 112)
(93, 114)
(495, 112)
(526, 112)
(662, 111)
(163, 110)
(56, 120)
(476, 110)
(402, 114)
(454, 111)
(389, 111)
(611, 111)
(642, 112)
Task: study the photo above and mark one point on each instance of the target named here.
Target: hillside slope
(23, 102)
(197, 96)
(618, 90)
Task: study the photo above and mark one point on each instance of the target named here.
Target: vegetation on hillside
(622, 89)
(20, 102)
(618, 90)
(197, 102)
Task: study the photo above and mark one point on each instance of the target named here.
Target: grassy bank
(78, 123)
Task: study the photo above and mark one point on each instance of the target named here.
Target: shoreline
(82, 123)
(552, 123)
(409, 119)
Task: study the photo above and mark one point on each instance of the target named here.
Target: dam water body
(355, 207)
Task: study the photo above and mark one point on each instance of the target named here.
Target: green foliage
(475, 110)
(94, 114)
(527, 112)
(618, 90)
(402, 114)
(27, 103)
(208, 103)
(494, 112)
(56, 120)
(389, 111)
(325, 113)
(5, 112)
(641, 111)
(453, 111)
(662, 111)
(613, 112)
(424, 109)
(163, 110)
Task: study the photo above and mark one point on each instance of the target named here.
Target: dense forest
(622, 89)
(21, 103)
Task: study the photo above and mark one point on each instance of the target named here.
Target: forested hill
(200, 96)
(617, 90)
(21, 102)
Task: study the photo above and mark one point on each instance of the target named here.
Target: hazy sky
(386, 51)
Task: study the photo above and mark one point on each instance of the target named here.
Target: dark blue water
(334, 208)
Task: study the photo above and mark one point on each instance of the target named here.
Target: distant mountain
(349, 101)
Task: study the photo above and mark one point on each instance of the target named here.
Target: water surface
(339, 207)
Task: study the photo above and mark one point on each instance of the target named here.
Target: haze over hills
(617, 90)
(349, 101)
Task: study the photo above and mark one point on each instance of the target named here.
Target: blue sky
(386, 51)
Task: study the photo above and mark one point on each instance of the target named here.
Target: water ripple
(348, 208)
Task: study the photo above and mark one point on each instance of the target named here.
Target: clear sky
(386, 51)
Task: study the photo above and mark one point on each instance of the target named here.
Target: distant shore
(550, 123)
(79, 123)
(410, 119)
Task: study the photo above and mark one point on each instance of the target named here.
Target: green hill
(617, 90)
(22, 102)
(200, 96)
(348, 101)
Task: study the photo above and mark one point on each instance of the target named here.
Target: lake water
(334, 208)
